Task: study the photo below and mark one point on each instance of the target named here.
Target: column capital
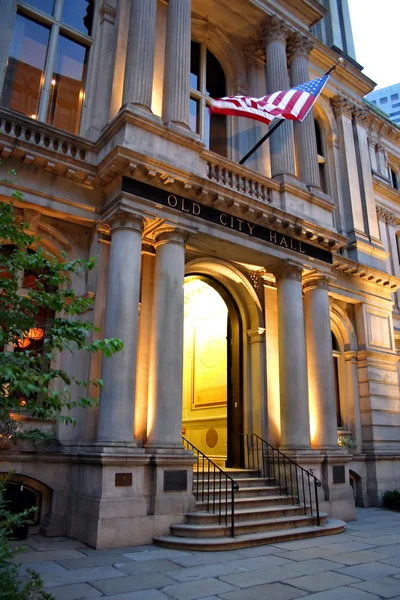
(170, 234)
(275, 30)
(342, 106)
(288, 270)
(314, 279)
(385, 215)
(123, 219)
(255, 49)
(299, 45)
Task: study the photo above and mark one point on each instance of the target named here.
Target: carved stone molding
(314, 279)
(385, 215)
(123, 219)
(170, 234)
(275, 30)
(287, 270)
(255, 49)
(360, 114)
(298, 44)
(342, 106)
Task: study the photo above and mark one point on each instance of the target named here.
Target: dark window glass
(383, 100)
(393, 114)
(396, 105)
(335, 345)
(67, 85)
(394, 97)
(217, 134)
(373, 102)
(320, 147)
(194, 115)
(394, 179)
(215, 77)
(46, 6)
(24, 74)
(339, 419)
(195, 66)
(78, 14)
(322, 178)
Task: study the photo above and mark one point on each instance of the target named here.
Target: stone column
(139, 66)
(164, 420)
(295, 429)
(102, 82)
(8, 11)
(321, 383)
(299, 48)
(281, 142)
(117, 398)
(177, 65)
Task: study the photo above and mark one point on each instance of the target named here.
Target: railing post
(316, 501)
(233, 510)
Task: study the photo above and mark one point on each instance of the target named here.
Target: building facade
(258, 298)
(388, 100)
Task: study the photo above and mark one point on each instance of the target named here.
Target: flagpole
(280, 121)
(265, 137)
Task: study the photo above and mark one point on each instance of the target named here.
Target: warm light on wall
(35, 334)
(24, 343)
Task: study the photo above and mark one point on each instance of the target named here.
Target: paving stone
(321, 581)
(81, 576)
(261, 551)
(204, 558)
(269, 591)
(357, 558)
(348, 546)
(308, 567)
(150, 566)
(132, 583)
(343, 593)
(76, 591)
(390, 550)
(203, 588)
(44, 567)
(394, 561)
(49, 545)
(121, 550)
(247, 579)
(203, 572)
(93, 561)
(372, 570)
(387, 587)
(153, 555)
(260, 562)
(34, 557)
(142, 595)
(308, 553)
(318, 541)
(384, 540)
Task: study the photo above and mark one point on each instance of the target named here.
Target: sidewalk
(361, 564)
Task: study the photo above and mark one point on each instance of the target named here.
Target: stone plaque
(123, 479)
(175, 481)
(339, 474)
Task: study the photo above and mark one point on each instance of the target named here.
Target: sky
(376, 32)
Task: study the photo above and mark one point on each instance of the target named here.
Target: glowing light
(33, 116)
(35, 333)
(22, 403)
(24, 343)
(53, 82)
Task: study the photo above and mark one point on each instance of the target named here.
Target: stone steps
(263, 515)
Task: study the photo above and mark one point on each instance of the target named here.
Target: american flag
(293, 104)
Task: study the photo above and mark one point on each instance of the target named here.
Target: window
(394, 97)
(46, 68)
(373, 102)
(393, 179)
(396, 105)
(383, 100)
(336, 354)
(207, 80)
(395, 113)
(321, 156)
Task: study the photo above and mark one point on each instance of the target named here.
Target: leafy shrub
(391, 499)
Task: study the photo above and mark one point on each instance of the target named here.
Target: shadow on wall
(23, 493)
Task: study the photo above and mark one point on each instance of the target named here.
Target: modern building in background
(252, 300)
(388, 100)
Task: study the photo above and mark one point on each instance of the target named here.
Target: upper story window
(383, 100)
(394, 97)
(393, 179)
(46, 68)
(207, 80)
(321, 156)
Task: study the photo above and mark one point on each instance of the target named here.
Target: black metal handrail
(292, 479)
(213, 489)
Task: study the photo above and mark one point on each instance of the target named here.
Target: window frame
(57, 28)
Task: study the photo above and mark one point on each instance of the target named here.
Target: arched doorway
(212, 376)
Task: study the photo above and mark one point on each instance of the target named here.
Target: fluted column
(138, 83)
(319, 361)
(177, 64)
(281, 141)
(295, 430)
(164, 421)
(8, 11)
(117, 398)
(299, 48)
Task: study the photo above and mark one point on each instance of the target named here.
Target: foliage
(32, 380)
(347, 442)
(42, 440)
(391, 499)
(11, 587)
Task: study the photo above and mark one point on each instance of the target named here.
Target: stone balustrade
(239, 179)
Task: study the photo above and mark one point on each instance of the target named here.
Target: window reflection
(195, 65)
(67, 85)
(24, 74)
(79, 15)
(46, 6)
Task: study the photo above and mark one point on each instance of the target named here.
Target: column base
(140, 110)
(107, 447)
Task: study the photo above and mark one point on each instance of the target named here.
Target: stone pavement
(363, 563)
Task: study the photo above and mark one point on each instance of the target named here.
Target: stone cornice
(385, 189)
(366, 273)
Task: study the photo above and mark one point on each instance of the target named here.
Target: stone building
(256, 299)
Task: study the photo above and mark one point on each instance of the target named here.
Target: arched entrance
(212, 375)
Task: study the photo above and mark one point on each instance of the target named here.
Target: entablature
(366, 273)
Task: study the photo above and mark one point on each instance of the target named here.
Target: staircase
(267, 503)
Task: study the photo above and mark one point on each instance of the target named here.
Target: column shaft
(281, 142)
(177, 64)
(164, 422)
(139, 66)
(320, 363)
(304, 133)
(295, 431)
(117, 399)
